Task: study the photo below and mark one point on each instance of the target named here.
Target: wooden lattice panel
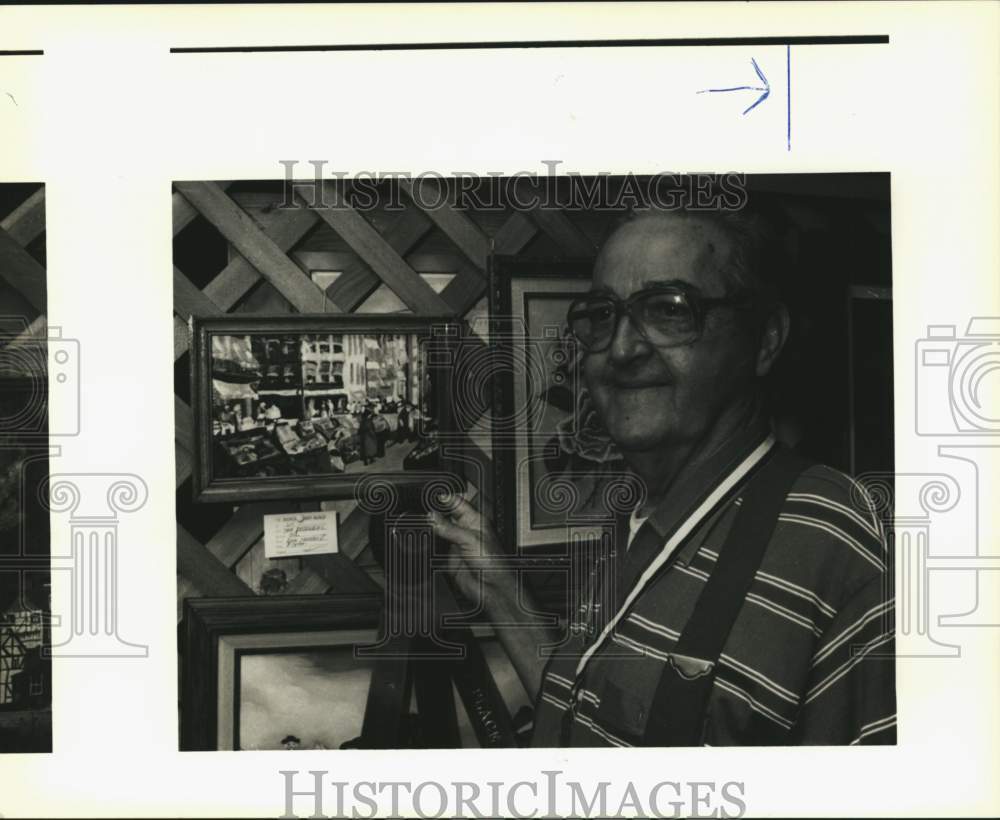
(18, 268)
(280, 246)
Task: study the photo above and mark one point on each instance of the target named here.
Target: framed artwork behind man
(554, 464)
(258, 671)
(316, 672)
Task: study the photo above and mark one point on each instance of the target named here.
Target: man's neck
(662, 468)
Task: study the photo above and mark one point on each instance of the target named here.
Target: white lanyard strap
(682, 532)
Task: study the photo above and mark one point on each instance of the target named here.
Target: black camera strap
(678, 711)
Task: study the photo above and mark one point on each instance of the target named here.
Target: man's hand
(471, 540)
(473, 543)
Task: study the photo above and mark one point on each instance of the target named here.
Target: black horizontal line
(832, 40)
(34, 52)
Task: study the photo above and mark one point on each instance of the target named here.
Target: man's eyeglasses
(665, 316)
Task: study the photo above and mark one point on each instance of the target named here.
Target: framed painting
(273, 672)
(268, 673)
(552, 460)
(304, 406)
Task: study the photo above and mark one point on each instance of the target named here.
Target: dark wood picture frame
(441, 334)
(503, 271)
(208, 620)
(869, 371)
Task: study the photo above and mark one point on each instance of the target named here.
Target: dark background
(839, 237)
(25, 725)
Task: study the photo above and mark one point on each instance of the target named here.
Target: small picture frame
(306, 406)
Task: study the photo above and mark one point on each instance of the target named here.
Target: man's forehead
(664, 247)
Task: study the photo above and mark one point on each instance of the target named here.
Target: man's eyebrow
(665, 283)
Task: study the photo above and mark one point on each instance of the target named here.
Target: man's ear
(772, 339)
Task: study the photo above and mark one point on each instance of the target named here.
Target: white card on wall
(305, 533)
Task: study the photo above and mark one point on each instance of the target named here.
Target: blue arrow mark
(766, 89)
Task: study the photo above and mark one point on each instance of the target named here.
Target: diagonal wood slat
(464, 290)
(353, 287)
(243, 530)
(35, 332)
(340, 573)
(184, 212)
(30, 365)
(390, 267)
(189, 301)
(358, 281)
(307, 582)
(250, 240)
(182, 338)
(563, 232)
(514, 234)
(27, 221)
(183, 425)
(22, 272)
(239, 276)
(183, 464)
(353, 534)
(234, 280)
(456, 226)
(214, 577)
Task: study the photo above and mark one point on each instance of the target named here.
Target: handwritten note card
(292, 534)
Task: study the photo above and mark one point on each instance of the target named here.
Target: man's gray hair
(761, 261)
(761, 258)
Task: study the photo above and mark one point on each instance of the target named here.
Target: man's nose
(627, 343)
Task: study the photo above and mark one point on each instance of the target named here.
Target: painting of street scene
(320, 404)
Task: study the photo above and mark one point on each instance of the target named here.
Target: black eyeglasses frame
(700, 306)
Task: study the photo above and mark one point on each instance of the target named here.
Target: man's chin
(636, 425)
(641, 441)
(639, 434)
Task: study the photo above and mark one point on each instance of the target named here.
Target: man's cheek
(596, 380)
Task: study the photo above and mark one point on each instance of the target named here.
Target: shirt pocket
(624, 711)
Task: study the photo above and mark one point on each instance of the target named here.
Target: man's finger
(462, 512)
(452, 532)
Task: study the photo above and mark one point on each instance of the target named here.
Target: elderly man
(748, 599)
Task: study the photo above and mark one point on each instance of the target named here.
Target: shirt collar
(697, 479)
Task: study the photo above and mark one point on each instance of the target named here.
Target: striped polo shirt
(809, 659)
